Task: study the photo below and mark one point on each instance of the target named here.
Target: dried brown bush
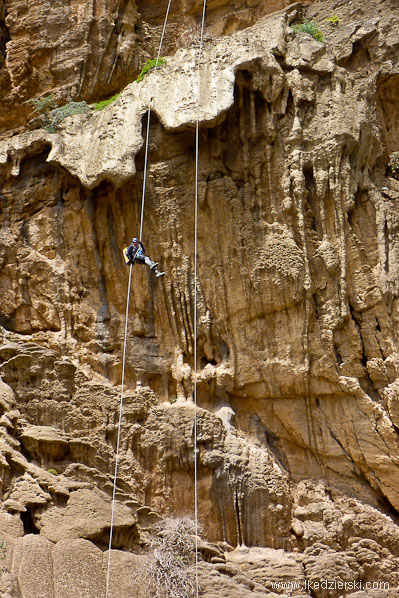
(169, 568)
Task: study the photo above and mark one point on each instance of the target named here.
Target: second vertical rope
(195, 302)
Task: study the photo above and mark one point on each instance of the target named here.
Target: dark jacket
(134, 252)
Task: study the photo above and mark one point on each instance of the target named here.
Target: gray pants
(148, 262)
(144, 259)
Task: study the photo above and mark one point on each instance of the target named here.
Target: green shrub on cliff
(149, 65)
(3, 550)
(310, 27)
(56, 116)
(51, 115)
(44, 104)
(333, 20)
(105, 103)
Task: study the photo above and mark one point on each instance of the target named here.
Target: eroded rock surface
(88, 50)
(298, 356)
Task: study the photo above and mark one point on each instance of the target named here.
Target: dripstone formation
(298, 283)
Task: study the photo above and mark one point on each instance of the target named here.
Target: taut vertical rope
(127, 307)
(119, 432)
(148, 124)
(195, 302)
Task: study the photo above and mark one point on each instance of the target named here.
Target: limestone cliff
(298, 351)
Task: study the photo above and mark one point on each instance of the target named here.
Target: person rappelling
(135, 254)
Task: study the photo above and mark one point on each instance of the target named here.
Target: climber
(135, 253)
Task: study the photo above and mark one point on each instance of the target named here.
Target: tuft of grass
(104, 103)
(310, 27)
(393, 166)
(333, 20)
(149, 65)
(53, 471)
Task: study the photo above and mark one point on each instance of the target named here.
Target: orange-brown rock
(297, 371)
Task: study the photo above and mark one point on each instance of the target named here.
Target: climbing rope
(119, 432)
(128, 302)
(195, 301)
(148, 123)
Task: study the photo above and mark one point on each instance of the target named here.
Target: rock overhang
(104, 146)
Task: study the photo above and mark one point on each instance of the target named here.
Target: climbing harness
(126, 257)
(195, 301)
(127, 309)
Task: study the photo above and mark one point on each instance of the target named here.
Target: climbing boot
(154, 266)
(158, 274)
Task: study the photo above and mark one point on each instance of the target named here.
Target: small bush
(43, 105)
(149, 65)
(310, 27)
(53, 471)
(104, 103)
(333, 20)
(56, 116)
(393, 166)
(51, 115)
(3, 550)
(170, 571)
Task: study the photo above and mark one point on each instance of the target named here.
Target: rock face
(298, 356)
(88, 49)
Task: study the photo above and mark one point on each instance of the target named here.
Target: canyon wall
(297, 369)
